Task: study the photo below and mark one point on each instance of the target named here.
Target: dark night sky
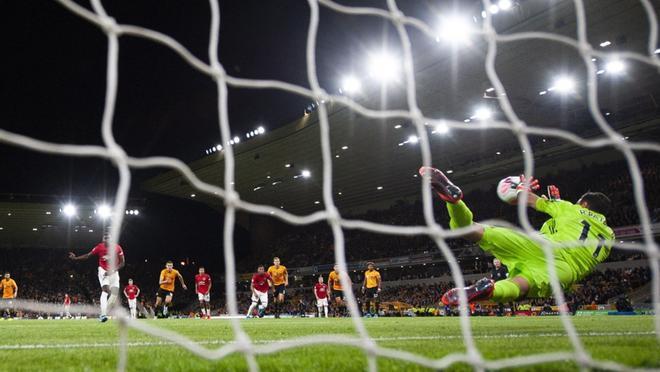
(53, 85)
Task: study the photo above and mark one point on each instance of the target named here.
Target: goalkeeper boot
(480, 291)
(442, 186)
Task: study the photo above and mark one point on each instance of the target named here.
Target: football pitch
(87, 345)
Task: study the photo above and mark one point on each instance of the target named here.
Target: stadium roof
(377, 160)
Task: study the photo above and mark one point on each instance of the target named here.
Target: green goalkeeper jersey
(573, 223)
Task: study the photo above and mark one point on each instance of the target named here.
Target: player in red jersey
(261, 283)
(321, 294)
(109, 279)
(131, 291)
(67, 306)
(203, 289)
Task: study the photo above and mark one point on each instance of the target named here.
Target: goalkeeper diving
(581, 225)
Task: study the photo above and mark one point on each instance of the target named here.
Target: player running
(371, 289)
(131, 291)
(321, 294)
(203, 290)
(281, 280)
(109, 279)
(528, 273)
(67, 306)
(166, 286)
(336, 291)
(260, 284)
(9, 292)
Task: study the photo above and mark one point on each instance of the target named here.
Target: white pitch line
(381, 339)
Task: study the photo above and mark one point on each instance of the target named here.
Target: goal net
(214, 70)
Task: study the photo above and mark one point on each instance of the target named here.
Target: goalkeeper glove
(528, 185)
(553, 192)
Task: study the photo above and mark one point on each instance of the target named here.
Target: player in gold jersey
(371, 289)
(280, 280)
(337, 291)
(166, 286)
(9, 293)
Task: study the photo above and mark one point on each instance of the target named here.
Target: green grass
(627, 340)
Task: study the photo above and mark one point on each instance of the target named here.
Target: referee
(500, 272)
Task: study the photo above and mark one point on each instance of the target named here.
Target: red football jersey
(260, 282)
(203, 282)
(321, 290)
(101, 251)
(67, 300)
(131, 290)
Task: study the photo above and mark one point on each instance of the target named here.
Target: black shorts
(163, 293)
(370, 293)
(337, 293)
(280, 289)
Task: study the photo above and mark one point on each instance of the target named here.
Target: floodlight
(615, 66)
(70, 210)
(441, 128)
(350, 85)
(413, 139)
(306, 173)
(494, 9)
(505, 4)
(383, 67)
(564, 84)
(104, 211)
(483, 113)
(237, 139)
(455, 29)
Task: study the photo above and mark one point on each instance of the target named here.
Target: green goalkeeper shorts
(524, 257)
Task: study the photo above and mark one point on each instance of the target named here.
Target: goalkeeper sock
(164, 310)
(104, 303)
(459, 215)
(505, 291)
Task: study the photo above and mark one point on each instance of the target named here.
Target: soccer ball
(506, 189)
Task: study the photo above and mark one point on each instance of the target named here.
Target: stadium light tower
(104, 211)
(384, 67)
(350, 85)
(564, 85)
(455, 30)
(70, 210)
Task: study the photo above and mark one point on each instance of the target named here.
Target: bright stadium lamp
(306, 173)
(413, 139)
(455, 30)
(564, 84)
(441, 128)
(237, 139)
(505, 4)
(384, 67)
(483, 113)
(69, 210)
(350, 85)
(261, 130)
(104, 211)
(615, 66)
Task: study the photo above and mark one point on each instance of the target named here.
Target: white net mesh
(214, 70)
